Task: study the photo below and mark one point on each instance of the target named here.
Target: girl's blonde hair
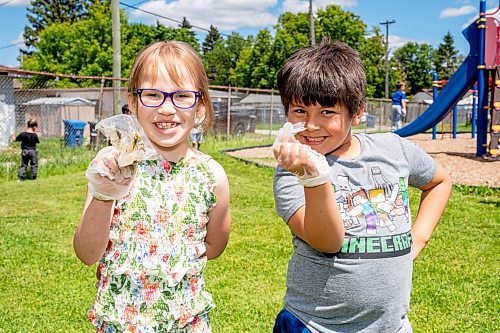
(171, 55)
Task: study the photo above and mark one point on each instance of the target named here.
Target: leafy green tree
(341, 25)
(185, 23)
(222, 60)
(186, 34)
(218, 63)
(372, 54)
(85, 47)
(446, 58)
(292, 34)
(80, 48)
(210, 39)
(42, 13)
(252, 69)
(416, 62)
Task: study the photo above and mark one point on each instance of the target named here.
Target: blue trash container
(370, 121)
(73, 132)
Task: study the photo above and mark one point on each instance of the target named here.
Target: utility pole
(117, 56)
(311, 23)
(386, 23)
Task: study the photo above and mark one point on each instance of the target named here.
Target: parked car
(242, 120)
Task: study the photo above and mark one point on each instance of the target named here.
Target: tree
(80, 48)
(372, 54)
(43, 13)
(220, 61)
(341, 25)
(252, 69)
(446, 58)
(416, 62)
(185, 24)
(211, 38)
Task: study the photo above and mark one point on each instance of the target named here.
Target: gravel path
(457, 156)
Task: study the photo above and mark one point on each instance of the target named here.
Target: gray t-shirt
(365, 287)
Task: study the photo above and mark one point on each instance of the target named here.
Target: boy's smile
(327, 129)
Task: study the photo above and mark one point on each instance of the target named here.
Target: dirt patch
(457, 156)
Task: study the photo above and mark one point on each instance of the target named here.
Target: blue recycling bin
(73, 132)
(370, 121)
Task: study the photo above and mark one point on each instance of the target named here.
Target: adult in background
(29, 154)
(398, 107)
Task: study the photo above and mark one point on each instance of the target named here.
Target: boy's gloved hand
(403, 112)
(309, 166)
(108, 181)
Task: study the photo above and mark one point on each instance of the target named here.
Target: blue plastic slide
(453, 91)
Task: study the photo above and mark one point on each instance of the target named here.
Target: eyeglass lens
(182, 99)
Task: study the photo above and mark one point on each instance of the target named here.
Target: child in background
(126, 110)
(154, 224)
(196, 137)
(29, 154)
(345, 199)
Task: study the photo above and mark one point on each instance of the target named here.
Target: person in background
(344, 197)
(126, 110)
(154, 224)
(196, 137)
(398, 107)
(29, 154)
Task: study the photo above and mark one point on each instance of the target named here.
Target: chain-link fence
(67, 116)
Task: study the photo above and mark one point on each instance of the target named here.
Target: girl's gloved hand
(107, 180)
(310, 167)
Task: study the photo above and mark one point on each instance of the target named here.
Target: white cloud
(296, 6)
(225, 15)
(395, 42)
(452, 12)
(475, 17)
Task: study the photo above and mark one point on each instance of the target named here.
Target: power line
(168, 18)
(11, 45)
(6, 2)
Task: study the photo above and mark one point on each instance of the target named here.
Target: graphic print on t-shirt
(376, 219)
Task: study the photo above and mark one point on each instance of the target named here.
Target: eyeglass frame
(197, 95)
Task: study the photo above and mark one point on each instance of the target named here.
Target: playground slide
(453, 91)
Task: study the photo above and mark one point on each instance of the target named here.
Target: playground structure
(482, 62)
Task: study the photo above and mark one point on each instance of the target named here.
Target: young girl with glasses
(154, 224)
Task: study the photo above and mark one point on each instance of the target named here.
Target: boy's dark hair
(399, 85)
(330, 74)
(31, 123)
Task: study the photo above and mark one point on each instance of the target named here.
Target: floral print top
(152, 269)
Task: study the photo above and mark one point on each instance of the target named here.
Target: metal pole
(434, 96)
(474, 109)
(386, 23)
(482, 87)
(228, 127)
(455, 116)
(271, 114)
(115, 17)
(311, 24)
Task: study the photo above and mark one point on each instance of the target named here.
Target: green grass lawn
(46, 289)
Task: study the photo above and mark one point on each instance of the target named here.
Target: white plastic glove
(126, 134)
(112, 171)
(403, 112)
(107, 180)
(310, 167)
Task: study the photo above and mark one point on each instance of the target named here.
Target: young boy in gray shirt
(345, 199)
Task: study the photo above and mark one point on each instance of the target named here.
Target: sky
(423, 21)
